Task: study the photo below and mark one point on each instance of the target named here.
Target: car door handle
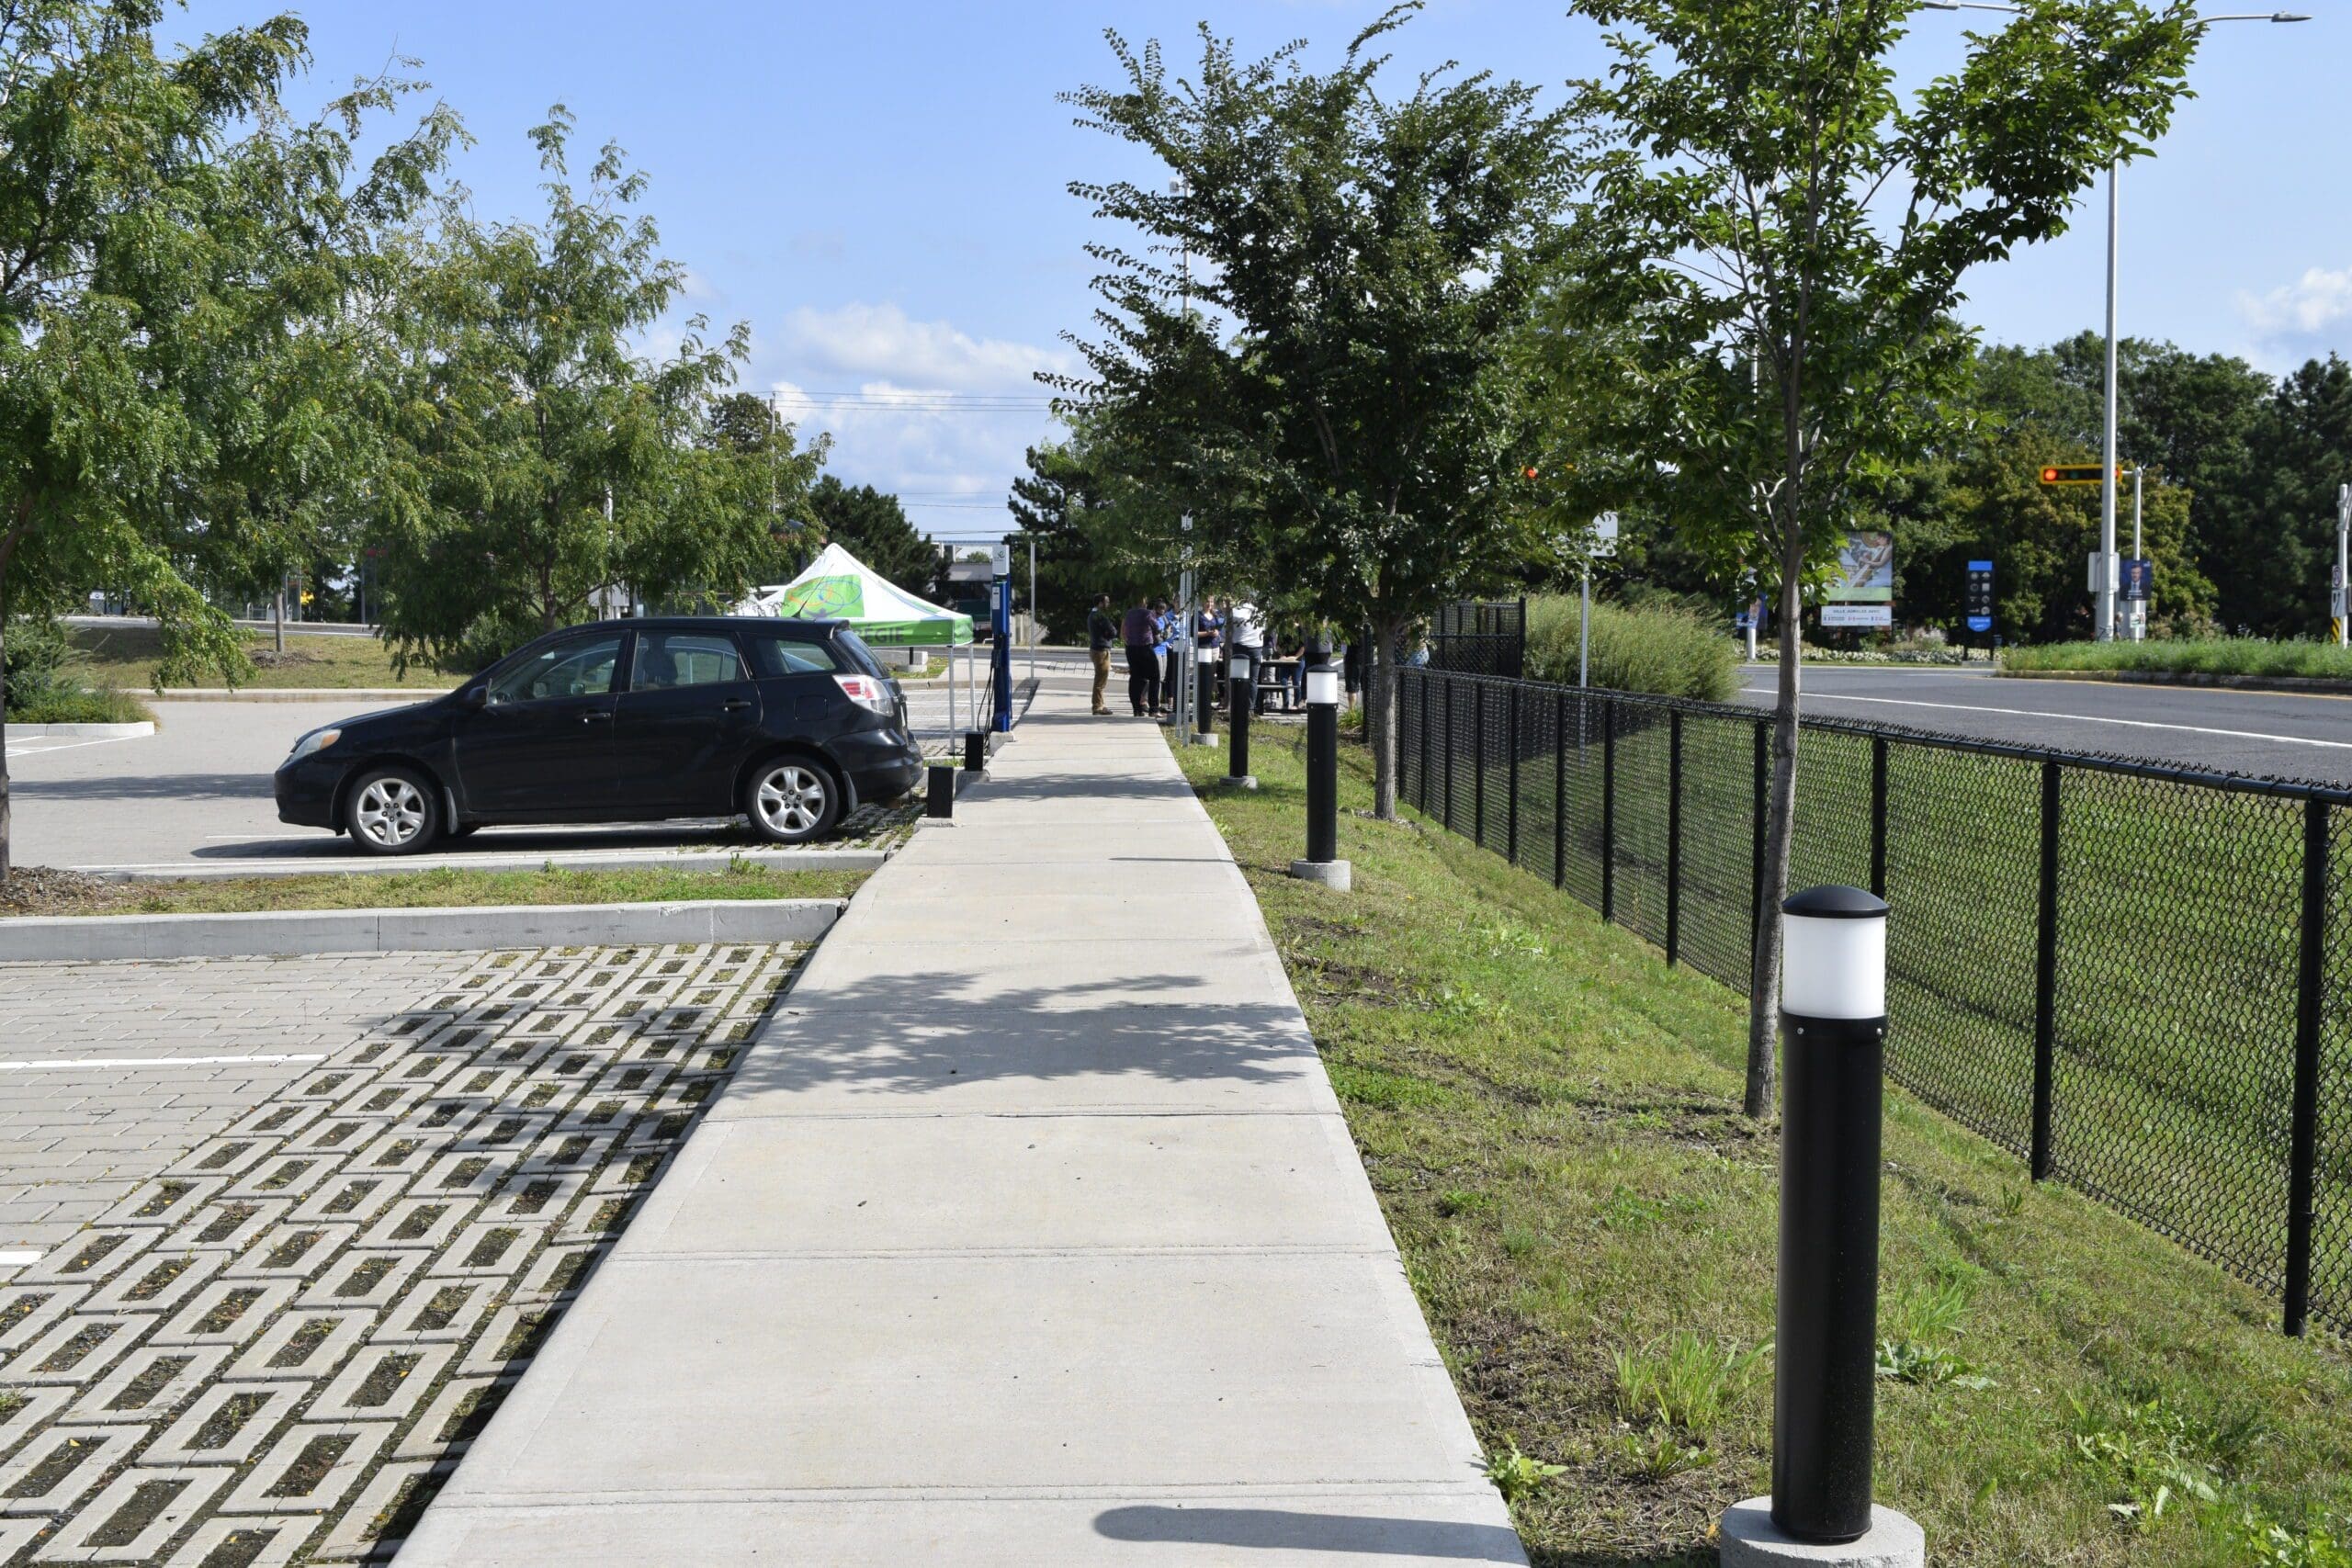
(737, 705)
(594, 715)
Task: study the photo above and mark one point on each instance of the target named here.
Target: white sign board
(1858, 614)
(1604, 534)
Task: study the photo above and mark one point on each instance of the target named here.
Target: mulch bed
(45, 890)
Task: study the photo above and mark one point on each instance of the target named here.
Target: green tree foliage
(754, 477)
(169, 239)
(1759, 316)
(873, 528)
(1325, 376)
(525, 407)
(1099, 531)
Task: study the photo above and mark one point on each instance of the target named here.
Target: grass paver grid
(275, 1349)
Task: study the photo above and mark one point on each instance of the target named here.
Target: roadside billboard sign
(1865, 570)
(1980, 596)
(1858, 614)
(2138, 578)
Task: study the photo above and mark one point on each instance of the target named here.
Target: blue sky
(879, 188)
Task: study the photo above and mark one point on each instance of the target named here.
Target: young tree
(155, 216)
(1771, 247)
(543, 454)
(1326, 378)
(748, 476)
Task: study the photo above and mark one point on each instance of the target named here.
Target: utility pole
(2341, 609)
(2103, 618)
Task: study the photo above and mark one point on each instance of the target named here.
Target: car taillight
(866, 693)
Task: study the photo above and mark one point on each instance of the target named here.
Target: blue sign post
(1980, 596)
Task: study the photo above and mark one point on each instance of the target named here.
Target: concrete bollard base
(1749, 1540)
(1336, 875)
(1247, 781)
(1204, 739)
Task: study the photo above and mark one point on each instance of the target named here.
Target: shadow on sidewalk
(1286, 1529)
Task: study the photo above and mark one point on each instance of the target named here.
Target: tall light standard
(2103, 620)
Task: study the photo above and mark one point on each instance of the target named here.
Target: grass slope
(2212, 656)
(436, 890)
(125, 657)
(1549, 1115)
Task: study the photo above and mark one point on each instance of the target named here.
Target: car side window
(668, 660)
(791, 656)
(580, 668)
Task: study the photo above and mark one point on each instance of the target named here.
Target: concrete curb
(2289, 683)
(616, 859)
(284, 933)
(81, 731)
(294, 694)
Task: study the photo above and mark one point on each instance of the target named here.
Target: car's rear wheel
(392, 811)
(791, 800)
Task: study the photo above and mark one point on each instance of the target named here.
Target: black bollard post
(1833, 1032)
(1241, 673)
(939, 802)
(1322, 863)
(976, 750)
(1205, 660)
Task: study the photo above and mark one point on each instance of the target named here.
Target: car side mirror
(475, 696)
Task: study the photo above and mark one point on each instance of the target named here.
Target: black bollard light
(976, 750)
(1204, 661)
(1322, 863)
(1241, 674)
(1832, 1051)
(939, 802)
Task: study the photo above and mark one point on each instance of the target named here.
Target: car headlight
(317, 741)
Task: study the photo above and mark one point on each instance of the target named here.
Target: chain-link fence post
(1422, 680)
(2302, 1141)
(1674, 836)
(1511, 729)
(1478, 767)
(2045, 978)
(1608, 811)
(1560, 789)
(1878, 815)
(1450, 748)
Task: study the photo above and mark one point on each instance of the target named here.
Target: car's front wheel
(791, 800)
(392, 811)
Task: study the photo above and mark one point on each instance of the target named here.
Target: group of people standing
(1152, 638)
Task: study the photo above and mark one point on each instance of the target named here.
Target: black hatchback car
(791, 723)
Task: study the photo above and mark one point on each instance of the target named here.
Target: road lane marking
(153, 1062)
(2076, 717)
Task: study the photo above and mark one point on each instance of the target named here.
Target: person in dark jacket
(1102, 631)
(1137, 631)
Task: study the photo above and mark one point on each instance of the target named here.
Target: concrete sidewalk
(1028, 1233)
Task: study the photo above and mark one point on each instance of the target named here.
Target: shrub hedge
(1664, 650)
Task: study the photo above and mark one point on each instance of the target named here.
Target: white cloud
(881, 342)
(2306, 308)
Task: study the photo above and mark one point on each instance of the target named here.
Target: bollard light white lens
(1323, 688)
(1241, 667)
(1833, 953)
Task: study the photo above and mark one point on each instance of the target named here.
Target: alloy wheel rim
(791, 799)
(391, 812)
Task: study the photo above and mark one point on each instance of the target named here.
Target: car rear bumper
(882, 764)
(306, 792)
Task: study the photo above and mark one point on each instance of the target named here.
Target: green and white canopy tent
(840, 587)
(837, 586)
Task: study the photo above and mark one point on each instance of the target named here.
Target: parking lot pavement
(308, 1281)
(198, 789)
(111, 1071)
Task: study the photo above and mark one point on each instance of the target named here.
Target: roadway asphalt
(2280, 735)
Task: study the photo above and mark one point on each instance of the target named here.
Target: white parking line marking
(2077, 717)
(153, 1062)
(34, 749)
(19, 1260)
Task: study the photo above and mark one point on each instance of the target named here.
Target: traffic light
(2075, 474)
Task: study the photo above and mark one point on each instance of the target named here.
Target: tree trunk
(1380, 719)
(1764, 994)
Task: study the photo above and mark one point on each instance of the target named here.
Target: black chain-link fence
(2137, 978)
(1480, 637)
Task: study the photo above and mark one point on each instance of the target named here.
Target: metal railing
(2138, 978)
